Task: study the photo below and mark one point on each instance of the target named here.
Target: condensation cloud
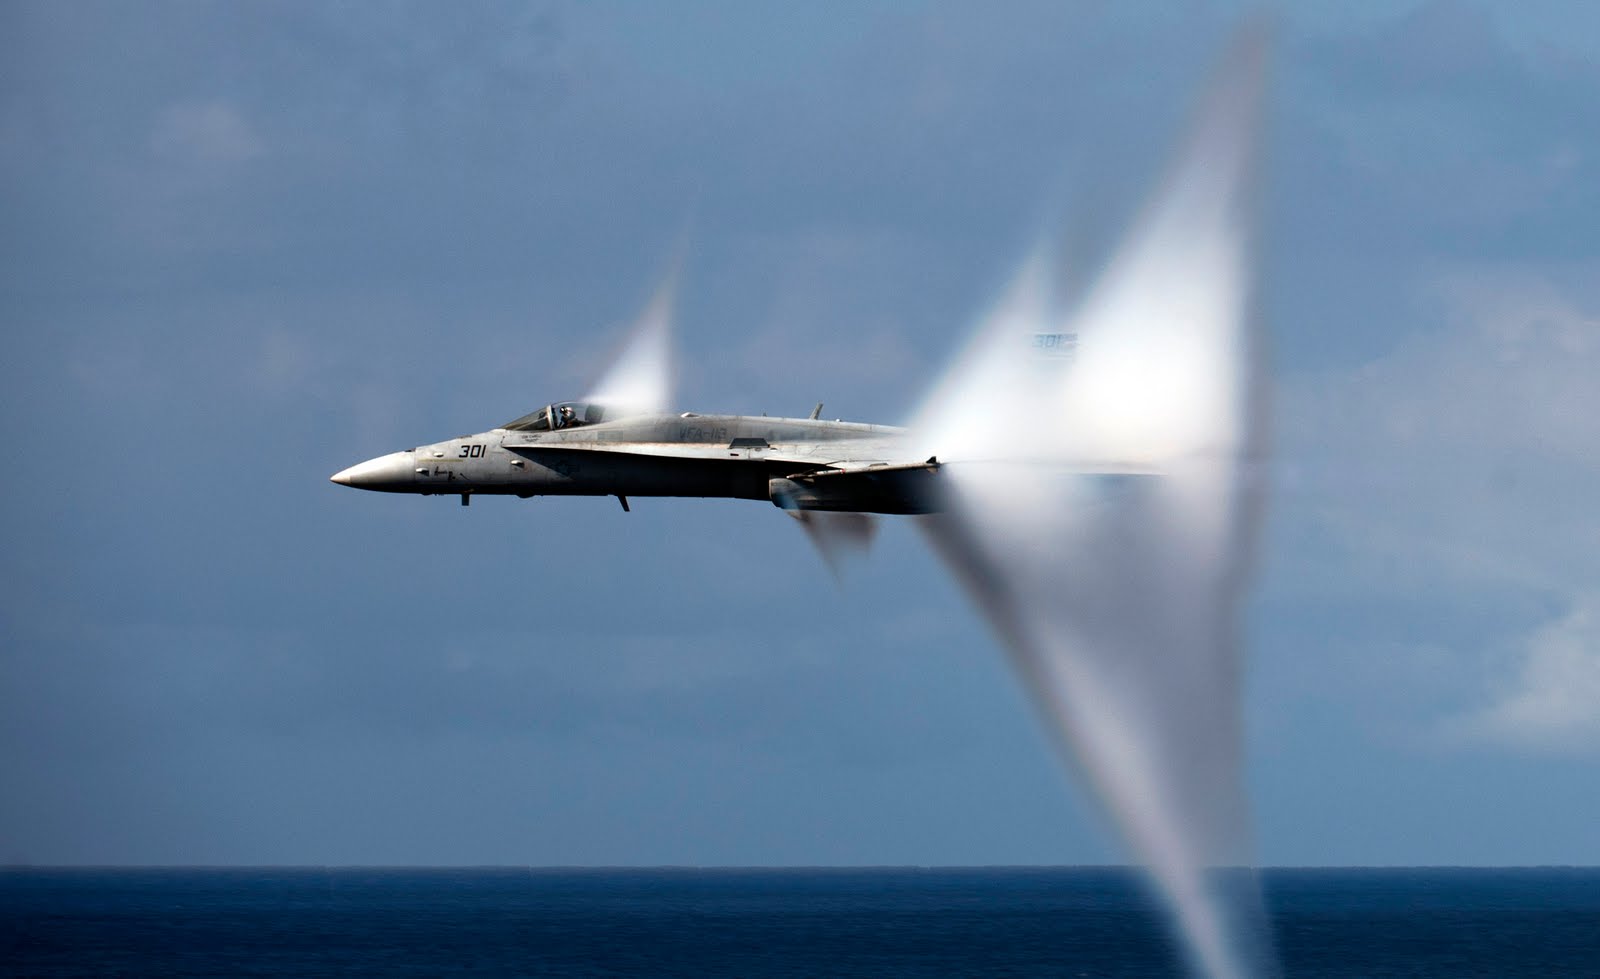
(640, 379)
(1103, 460)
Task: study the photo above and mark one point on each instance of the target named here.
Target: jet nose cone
(391, 472)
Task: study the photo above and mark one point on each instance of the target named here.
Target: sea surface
(801, 922)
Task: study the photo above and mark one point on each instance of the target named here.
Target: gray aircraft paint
(684, 455)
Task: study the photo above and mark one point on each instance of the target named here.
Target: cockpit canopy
(563, 414)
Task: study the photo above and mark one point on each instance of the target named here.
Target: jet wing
(805, 456)
(676, 450)
(873, 488)
(822, 476)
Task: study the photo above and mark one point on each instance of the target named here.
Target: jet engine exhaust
(1103, 468)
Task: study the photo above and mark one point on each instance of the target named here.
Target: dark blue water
(895, 922)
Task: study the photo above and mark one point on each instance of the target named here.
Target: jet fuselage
(682, 455)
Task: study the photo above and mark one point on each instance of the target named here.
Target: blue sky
(248, 246)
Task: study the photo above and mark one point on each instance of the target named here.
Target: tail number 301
(471, 452)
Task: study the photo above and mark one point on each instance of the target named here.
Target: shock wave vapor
(1088, 468)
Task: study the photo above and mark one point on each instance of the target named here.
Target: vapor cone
(838, 536)
(640, 379)
(1102, 468)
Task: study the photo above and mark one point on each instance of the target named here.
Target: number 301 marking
(471, 452)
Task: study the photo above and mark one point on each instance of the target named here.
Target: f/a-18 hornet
(623, 441)
(1117, 598)
(576, 448)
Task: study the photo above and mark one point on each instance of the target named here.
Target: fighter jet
(1090, 471)
(575, 448)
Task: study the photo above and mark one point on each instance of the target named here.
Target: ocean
(770, 922)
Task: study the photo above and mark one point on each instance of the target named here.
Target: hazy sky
(247, 245)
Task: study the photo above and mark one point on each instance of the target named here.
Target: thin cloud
(211, 131)
(1465, 463)
(1468, 450)
(1549, 699)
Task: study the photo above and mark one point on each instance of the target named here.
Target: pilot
(567, 417)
